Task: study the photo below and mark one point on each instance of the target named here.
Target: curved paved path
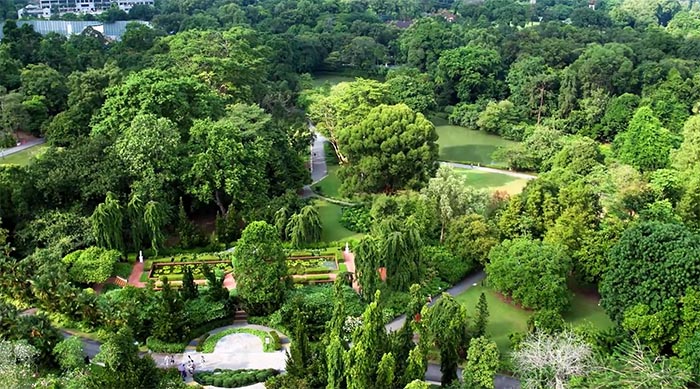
(433, 374)
(23, 146)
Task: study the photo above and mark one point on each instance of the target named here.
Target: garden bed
(175, 270)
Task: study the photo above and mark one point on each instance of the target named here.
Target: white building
(87, 6)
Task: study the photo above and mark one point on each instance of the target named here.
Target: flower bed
(233, 378)
(174, 270)
(273, 345)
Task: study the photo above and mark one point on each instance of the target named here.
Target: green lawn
(333, 231)
(25, 156)
(492, 181)
(459, 144)
(330, 184)
(505, 318)
(333, 79)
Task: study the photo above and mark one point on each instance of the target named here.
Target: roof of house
(111, 30)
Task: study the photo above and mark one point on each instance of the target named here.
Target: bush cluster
(233, 378)
(201, 342)
(159, 346)
(356, 219)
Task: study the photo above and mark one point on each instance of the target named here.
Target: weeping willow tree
(134, 212)
(107, 220)
(366, 266)
(281, 219)
(304, 227)
(155, 216)
(400, 251)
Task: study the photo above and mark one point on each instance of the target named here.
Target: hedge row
(233, 378)
(159, 346)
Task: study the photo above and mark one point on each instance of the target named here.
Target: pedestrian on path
(181, 369)
(202, 358)
(167, 361)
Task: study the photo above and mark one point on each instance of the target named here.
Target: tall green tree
(304, 227)
(482, 363)
(155, 217)
(367, 262)
(532, 273)
(170, 322)
(226, 157)
(645, 144)
(482, 316)
(451, 197)
(666, 256)
(393, 148)
(369, 345)
(107, 223)
(260, 269)
(449, 330)
(471, 70)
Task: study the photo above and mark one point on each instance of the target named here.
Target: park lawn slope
(505, 318)
(333, 231)
(25, 156)
(492, 181)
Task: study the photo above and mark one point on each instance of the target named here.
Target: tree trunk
(220, 204)
(539, 109)
(442, 233)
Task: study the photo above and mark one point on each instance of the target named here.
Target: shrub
(276, 341)
(317, 270)
(159, 346)
(201, 342)
(234, 378)
(318, 277)
(94, 264)
(356, 219)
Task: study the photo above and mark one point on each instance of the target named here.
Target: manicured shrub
(159, 346)
(201, 342)
(276, 341)
(317, 270)
(234, 378)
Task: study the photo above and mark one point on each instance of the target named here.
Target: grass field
(330, 219)
(492, 181)
(459, 144)
(505, 318)
(329, 185)
(25, 156)
(333, 79)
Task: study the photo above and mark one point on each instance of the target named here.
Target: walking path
(524, 176)
(24, 146)
(135, 276)
(460, 287)
(349, 258)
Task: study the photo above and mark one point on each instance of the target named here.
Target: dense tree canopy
(393, 148)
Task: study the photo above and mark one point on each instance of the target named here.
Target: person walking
(167, 361)
(181, 369)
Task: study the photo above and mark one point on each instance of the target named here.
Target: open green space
(506, 318)
(25, 156)
(492, 181)
(329, 185)
(460, 144)
(333, 231)
(331, 78)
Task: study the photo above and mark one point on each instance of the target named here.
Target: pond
(461, 144)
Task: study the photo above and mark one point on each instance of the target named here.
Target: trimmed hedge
(159, 346)
(276, 341)
(233, 378)
(317, 270)
(201, 342)
(318, 277)
(210, 343)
